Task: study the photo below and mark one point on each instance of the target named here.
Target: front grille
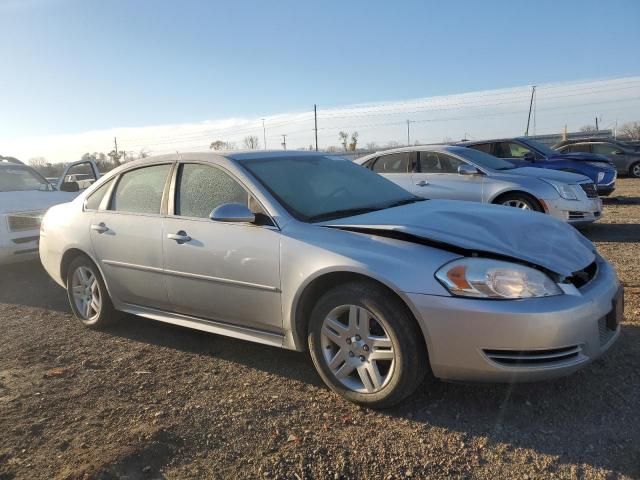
(576, 215)
(514, 358)
(590, 189)
(582, 277)
(20, 222)
(604, 331)
(25, 239)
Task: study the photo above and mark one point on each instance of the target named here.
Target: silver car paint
(491, 184)
(308, 252)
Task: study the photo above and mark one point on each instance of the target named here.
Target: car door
(397, 167)
(126, 235)
(86, 168)
(227, 272)
(620, 159)
(437, 177)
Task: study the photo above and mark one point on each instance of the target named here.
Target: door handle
(100, 228)
(180, 237)
(422, 183)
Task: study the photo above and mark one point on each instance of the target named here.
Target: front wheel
(88, 294)
(366, 346)
(634, 170)
(523, 202)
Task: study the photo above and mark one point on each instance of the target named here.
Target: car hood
(531, 237)
(547, 174)
(32, 200)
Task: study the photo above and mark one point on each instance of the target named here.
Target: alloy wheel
(86, 293)
(635, 170)
(517, 203)
(357, 349)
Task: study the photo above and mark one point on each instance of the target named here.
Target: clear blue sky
(77, 65)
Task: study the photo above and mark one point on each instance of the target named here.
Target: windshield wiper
(347, 212)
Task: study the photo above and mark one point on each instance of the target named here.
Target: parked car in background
(25, 196)
(459, 173)
(625, 157)
(84, 180)
(304, 250)
(523, 151)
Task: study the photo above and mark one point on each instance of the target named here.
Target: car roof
(233, 155)
(587, 140)
(416, 148)
(491, 140)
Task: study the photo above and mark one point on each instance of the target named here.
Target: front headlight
(565, 190)
(600, 176)
(486, 278)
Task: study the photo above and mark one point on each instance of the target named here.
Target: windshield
(482, 159)
(316, 188)
(545, 150)
(15, 178)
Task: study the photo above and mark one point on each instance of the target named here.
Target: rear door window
(140, 190)
(604, 148)
(579, 148)
(483, 147)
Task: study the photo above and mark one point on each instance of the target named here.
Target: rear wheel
(634, 170)
(521, 201)
(366, 346)
(88, 295)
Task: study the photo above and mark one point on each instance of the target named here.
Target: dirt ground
(148, 400)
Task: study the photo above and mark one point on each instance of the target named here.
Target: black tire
(634, 170)
(107, 314)
(532, 203)
(410, 362)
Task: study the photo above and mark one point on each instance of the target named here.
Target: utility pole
(315, 120)
(284, 141)
(115, 143)
(408, 134)
(264, 135)
(533, 91)
(596, 123)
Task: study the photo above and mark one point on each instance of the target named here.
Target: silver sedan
(459, 173)
(304, 250)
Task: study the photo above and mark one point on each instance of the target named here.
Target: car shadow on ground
(621, 200)
(587, 418)
(28, 284)
(612, 232)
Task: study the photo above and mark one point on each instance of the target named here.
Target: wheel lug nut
(351, 354)
(357, 338)
(348, 341)
(365, 348)
(362, 358)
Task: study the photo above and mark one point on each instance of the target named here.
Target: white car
(25, 196)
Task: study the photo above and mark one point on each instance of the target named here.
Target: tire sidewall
(531, 202)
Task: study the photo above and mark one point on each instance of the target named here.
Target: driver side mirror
(468, 170)
(232, 213)
(529, 157)
(69, 187)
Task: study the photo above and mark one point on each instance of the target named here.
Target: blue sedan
(525, 152)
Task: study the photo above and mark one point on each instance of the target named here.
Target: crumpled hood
(528, 236)
(548, 174)
(32, 200)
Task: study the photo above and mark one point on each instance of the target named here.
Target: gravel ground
(147, 400)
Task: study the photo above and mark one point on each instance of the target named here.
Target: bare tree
(588, 129)
(393, 144)
(630, 130)
(354, 141)
(218, 145)
(344, 139)
(251, 142)
(372, 146)
(143, 153)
